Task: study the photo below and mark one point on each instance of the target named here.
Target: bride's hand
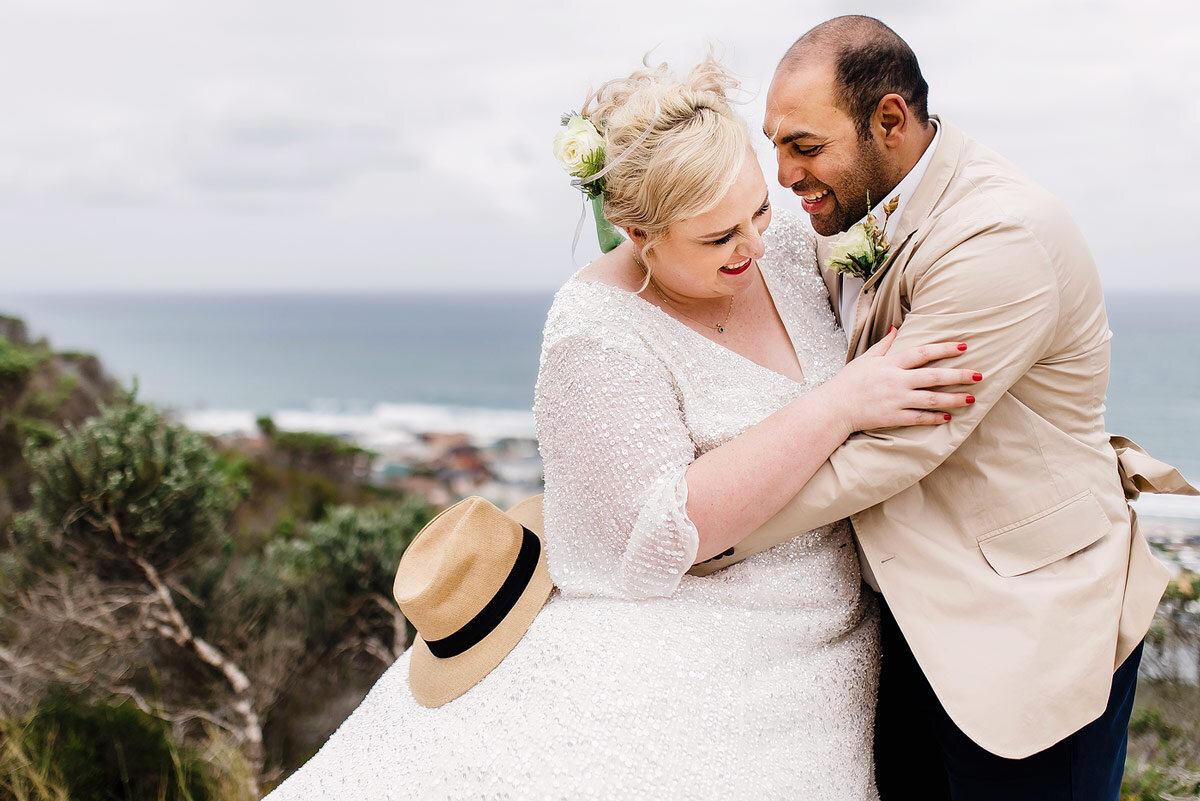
(880, 389)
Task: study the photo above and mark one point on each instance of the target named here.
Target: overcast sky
(385, 144)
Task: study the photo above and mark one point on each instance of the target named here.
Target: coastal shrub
(237, 471)
(97, 752)
(46, 403)
(307, 443)
(1173, 642)
(17, 360)
(317, 444)
(266, 426)
(359, 548)
(1156, 782)
(326, 454)
(32, 432)
(281, 500)
(1150, 719)
(323, 453)
(332, 584)
(130, 478)
(1164, 743)
(1184, 587)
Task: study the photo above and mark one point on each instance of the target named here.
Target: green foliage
(285, 528)
(32, 432)
(130, 477)
(356, 551)
(97, 752)
(1184, 587)
(1164, 743)
(353, 552)
(1156, 782)
(307, 443)
(279, 556)
(1150, 719)
(16, 361)
(278, 494)
(45, 404)
(322, 446)
(592, 163)
(266, 425)
(283, 499)
(236, 470)
(319, 583)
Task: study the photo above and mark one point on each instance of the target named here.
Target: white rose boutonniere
(863, 248)
(579, 148)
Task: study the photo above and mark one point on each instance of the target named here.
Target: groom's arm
(995, 288)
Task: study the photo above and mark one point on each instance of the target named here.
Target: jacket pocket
(1045, 537)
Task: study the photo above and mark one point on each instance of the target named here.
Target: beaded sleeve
(615, 450)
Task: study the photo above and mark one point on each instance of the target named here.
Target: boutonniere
(862, 250)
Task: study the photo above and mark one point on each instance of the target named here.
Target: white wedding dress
(635, 680)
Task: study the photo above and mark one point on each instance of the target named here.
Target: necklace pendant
(720, 329)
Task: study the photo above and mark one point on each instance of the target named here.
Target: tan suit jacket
(1002, 541)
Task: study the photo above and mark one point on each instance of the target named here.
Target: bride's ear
(637, 236)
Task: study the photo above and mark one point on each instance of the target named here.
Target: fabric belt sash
(496, 609)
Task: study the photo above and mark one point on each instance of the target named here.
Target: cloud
(261, 151)
(379, 144)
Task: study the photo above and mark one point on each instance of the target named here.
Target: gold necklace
(719, 327)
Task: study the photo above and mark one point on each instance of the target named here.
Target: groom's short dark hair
(870, 61)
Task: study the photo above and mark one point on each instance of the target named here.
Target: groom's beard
(856, 192)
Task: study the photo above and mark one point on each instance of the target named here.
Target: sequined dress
(636, 680)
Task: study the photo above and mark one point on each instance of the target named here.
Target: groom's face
(821, 156)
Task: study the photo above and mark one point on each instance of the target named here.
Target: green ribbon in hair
(608, 235)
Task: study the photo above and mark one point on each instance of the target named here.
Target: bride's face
(713, 254)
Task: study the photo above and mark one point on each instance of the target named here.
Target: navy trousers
(920, 753)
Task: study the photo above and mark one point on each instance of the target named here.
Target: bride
(691, 381)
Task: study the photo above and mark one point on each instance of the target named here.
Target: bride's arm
(614, 451)
(627, 497)
(735, 488)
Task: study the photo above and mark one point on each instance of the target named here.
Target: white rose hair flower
(579, 149)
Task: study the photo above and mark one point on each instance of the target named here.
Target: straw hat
(470, 583)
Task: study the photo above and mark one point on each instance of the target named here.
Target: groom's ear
(891, 120)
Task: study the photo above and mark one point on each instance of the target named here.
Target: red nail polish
(890, 330)
(947, 418)
(962, 346)
(978, 376)
(970, 399)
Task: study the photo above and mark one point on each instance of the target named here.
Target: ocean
(354, 363)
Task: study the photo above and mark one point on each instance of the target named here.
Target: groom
(1016, 587)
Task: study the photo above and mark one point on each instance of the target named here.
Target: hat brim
(436, 681)
(529, 514)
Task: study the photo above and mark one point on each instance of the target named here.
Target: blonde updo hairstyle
(689, 159)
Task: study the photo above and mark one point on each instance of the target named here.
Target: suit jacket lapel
(933, 184)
